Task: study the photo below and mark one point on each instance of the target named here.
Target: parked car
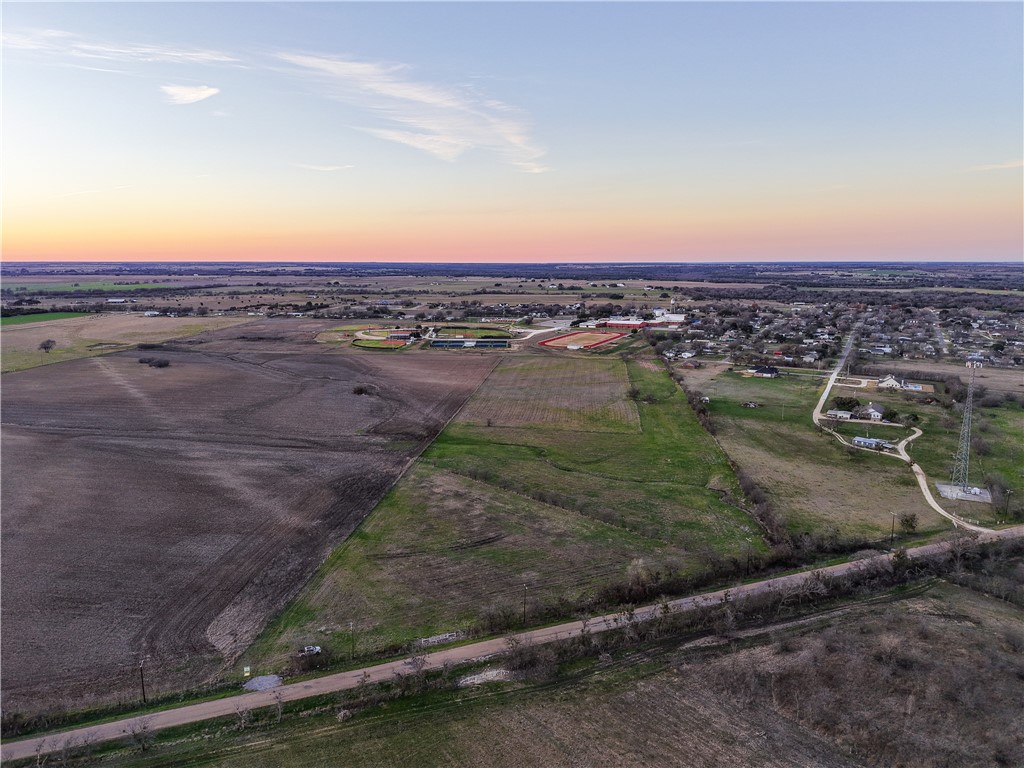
(310, 650)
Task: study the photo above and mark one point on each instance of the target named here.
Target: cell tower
(961, 465)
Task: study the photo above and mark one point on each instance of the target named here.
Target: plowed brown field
(556, 392)
(169, 513)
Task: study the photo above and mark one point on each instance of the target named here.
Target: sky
(505, 132)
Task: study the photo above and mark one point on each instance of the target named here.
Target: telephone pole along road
(341, 681)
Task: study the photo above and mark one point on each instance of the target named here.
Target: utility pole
(142, 679)
(892, 536)
(351, 640)
(524, 605)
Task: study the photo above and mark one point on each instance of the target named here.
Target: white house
(890, 382)
(837, 414)
(874, 411)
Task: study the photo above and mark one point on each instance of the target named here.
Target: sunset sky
(532, 132)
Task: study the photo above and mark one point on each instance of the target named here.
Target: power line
(962, 464)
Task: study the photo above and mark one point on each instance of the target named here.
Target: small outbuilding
(874, 443)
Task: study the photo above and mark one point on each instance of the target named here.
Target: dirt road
(194, 713)
(901, 448)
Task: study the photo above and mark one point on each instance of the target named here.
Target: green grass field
(998, 445)
(82, 286)
(378, 343)
(491, 516)
(473, 333)
(40, 317)
(814, 482)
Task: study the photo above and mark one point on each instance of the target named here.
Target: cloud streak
(52, 41)
(442, 121)
(188, 94)
(323, 168)
(1000, 166)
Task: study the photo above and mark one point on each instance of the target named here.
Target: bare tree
(961, 547)
(244, 715)
(417, 662)
(278, 705)
(141, 732)
(41, 756)
(74, 751)
(47, 345)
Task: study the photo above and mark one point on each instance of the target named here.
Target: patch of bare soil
(168, 513)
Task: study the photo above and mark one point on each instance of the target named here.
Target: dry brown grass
(587, 394)
(994, 379)
(96, 334)
(934, 681)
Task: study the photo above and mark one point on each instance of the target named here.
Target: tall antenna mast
(962, 464)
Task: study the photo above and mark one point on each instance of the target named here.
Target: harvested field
(171, 512)
(555, 392)
(582, 339)
(96, 334)
(568, 510)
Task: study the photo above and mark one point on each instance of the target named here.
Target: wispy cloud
(1000, 166)
(188, 94)
(54, 41)
(440, 120)
(323, 168)
(445, 121)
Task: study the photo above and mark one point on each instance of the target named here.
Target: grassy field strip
(12, 750)
(566, 498)
(48, 288)
(814, 482)
(39, 317)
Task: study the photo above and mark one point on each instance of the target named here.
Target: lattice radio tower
(962, 464)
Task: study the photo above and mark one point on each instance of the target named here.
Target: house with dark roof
(871, 411)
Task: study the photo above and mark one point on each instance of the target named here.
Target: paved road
(816, 416)
(341, 681)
